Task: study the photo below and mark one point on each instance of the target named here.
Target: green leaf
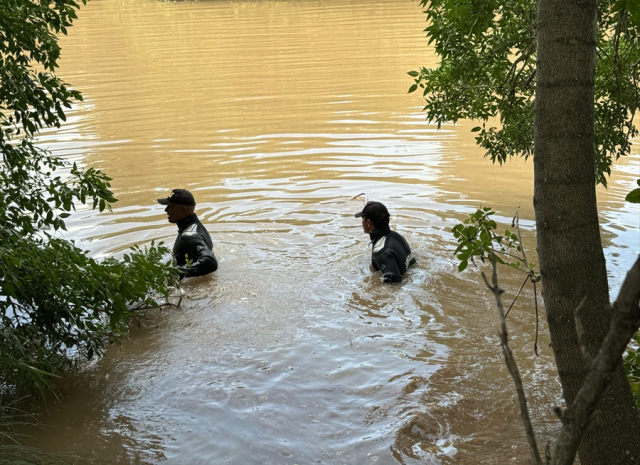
(412, 88)
(633, 196)
(618, 5)
(66, 298)
(486, 72)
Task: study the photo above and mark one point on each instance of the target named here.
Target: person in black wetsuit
(391, 254)
(193, 242)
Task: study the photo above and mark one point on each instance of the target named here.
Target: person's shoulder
(380, 245)
(192, 234)
(383, 243)
(201, 227)
(397, 236)
(191, 230)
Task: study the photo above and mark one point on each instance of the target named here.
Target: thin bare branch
(517, 76)
(528, 81)
(625, 321)
(516, 223)
(511, 363)
(514, 299)
(509, 255)
(512, 71)
(535, 301)
(484, 278)
(144, 306)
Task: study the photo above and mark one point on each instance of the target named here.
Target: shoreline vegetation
(57, 303)
(60, 306)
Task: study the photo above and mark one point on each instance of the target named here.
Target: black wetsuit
(194, 243)
(391, 254)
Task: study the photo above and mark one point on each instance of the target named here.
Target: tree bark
(572, 263)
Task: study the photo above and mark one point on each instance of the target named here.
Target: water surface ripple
(274, 113)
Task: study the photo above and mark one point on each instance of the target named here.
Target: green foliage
(634, 195)
(633, 9)
(33, 99)
(632, 366)
(477, 238)
(57, 304)
(488, 67)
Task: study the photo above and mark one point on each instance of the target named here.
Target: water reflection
(274, 114)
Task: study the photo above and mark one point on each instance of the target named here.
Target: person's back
(194, 245)
(193, 249)
(391, 253)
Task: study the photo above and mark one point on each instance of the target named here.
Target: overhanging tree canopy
(488, 71)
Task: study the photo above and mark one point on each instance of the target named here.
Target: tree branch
(511, 363)
(508, 255)
(514, 299)
(625, 321)
(528, 81)
(516, 224)
(535, 301)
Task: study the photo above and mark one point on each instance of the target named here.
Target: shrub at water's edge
(57, 304)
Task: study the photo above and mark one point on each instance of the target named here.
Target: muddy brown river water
(275, 113)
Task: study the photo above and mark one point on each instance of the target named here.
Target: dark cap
(178, 197)
(374, 211)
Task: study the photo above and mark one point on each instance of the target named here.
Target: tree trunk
(570, 252)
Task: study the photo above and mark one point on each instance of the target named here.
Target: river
(274, 114)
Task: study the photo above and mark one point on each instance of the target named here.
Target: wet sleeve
(388, 265)
(203, 261)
